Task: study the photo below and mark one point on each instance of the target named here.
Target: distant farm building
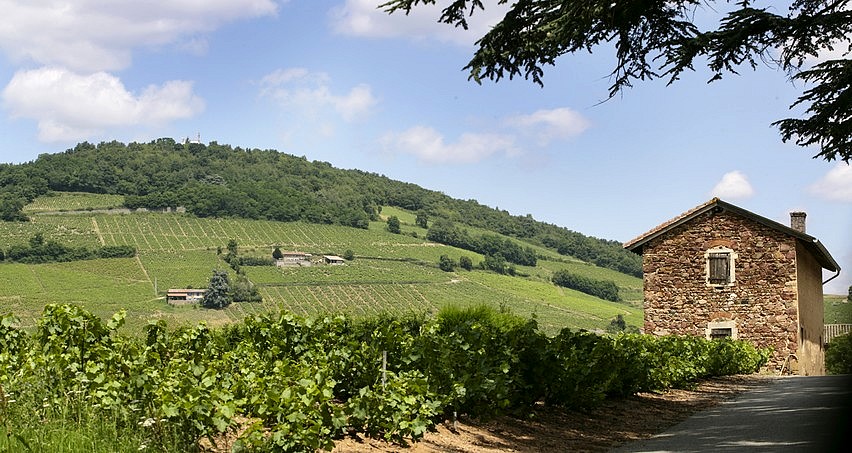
(184, 296)
(721, 271)
(294, 259)
(333, 260)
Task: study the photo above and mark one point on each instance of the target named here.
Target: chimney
(797, 221)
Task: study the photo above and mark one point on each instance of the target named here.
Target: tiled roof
(819, 251)
(661, 228)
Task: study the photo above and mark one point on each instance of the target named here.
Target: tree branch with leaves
(661, 39)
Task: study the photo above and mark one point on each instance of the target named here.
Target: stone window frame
(732, 259)
(732, 325)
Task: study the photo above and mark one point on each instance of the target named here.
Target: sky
(341, 81)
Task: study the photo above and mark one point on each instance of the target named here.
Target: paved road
(789, 414)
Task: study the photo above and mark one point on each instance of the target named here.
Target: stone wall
(762, 302)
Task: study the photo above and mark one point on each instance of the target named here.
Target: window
(724, 332)
(720, 270)
(721, 329)
(720, 266)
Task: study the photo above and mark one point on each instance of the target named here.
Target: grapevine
(307, 382)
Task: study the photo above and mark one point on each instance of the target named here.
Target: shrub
(603, 289)
(838, 355)
(393, 225)
(254, 261)
(446, 264)
(494, 263)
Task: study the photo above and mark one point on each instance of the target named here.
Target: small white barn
(294, 259)
(184, 296)
(333, 260)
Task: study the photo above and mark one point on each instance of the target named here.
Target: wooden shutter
(725, 332)
(720, 270)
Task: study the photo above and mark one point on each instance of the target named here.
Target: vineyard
(392, 273)
(284, 383)
(74, 201)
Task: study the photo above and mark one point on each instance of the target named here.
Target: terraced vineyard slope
(390, 273)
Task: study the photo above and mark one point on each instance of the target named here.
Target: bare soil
(616, 422)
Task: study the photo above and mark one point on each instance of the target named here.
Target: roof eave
(822, 255)
(829, 263)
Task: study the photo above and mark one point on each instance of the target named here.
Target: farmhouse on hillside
(333, 260)
(721, 271)
(294, 259)
(184, 296)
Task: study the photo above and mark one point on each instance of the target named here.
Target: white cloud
(428, 145)
(310, 92)
(69, 106)
(540, 128)
(836, 185)
(98, 35)
(359, 100)
(364, 18)
(733, 185)
(548, 125)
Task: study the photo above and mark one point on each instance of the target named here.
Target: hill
(390, 273)
(221, 181)
(112, 194)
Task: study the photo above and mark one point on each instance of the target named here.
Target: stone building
(721, 271)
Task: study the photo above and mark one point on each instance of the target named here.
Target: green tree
(494, 263)
(664, 39)
(446, 264)
(232, 247)
(849, 297)
(276, 254)
(243, 290)
(393, 224)
(348, 255)
(11, 208)
(465, 262)
(218, 293)
(421, 220)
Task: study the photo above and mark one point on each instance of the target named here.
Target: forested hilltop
(216, 180)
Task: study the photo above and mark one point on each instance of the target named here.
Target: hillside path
(790, 414)
(98, 231)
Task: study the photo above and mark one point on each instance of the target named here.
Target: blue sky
(339, 81)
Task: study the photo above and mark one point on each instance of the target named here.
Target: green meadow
(838, 310)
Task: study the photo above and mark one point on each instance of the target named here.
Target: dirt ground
(613, 424)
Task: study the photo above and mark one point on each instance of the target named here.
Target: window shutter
(721, 333)
(719, 268)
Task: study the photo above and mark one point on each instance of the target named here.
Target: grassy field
(391, 273)
(837, 310)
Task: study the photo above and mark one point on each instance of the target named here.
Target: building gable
(716, 205)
